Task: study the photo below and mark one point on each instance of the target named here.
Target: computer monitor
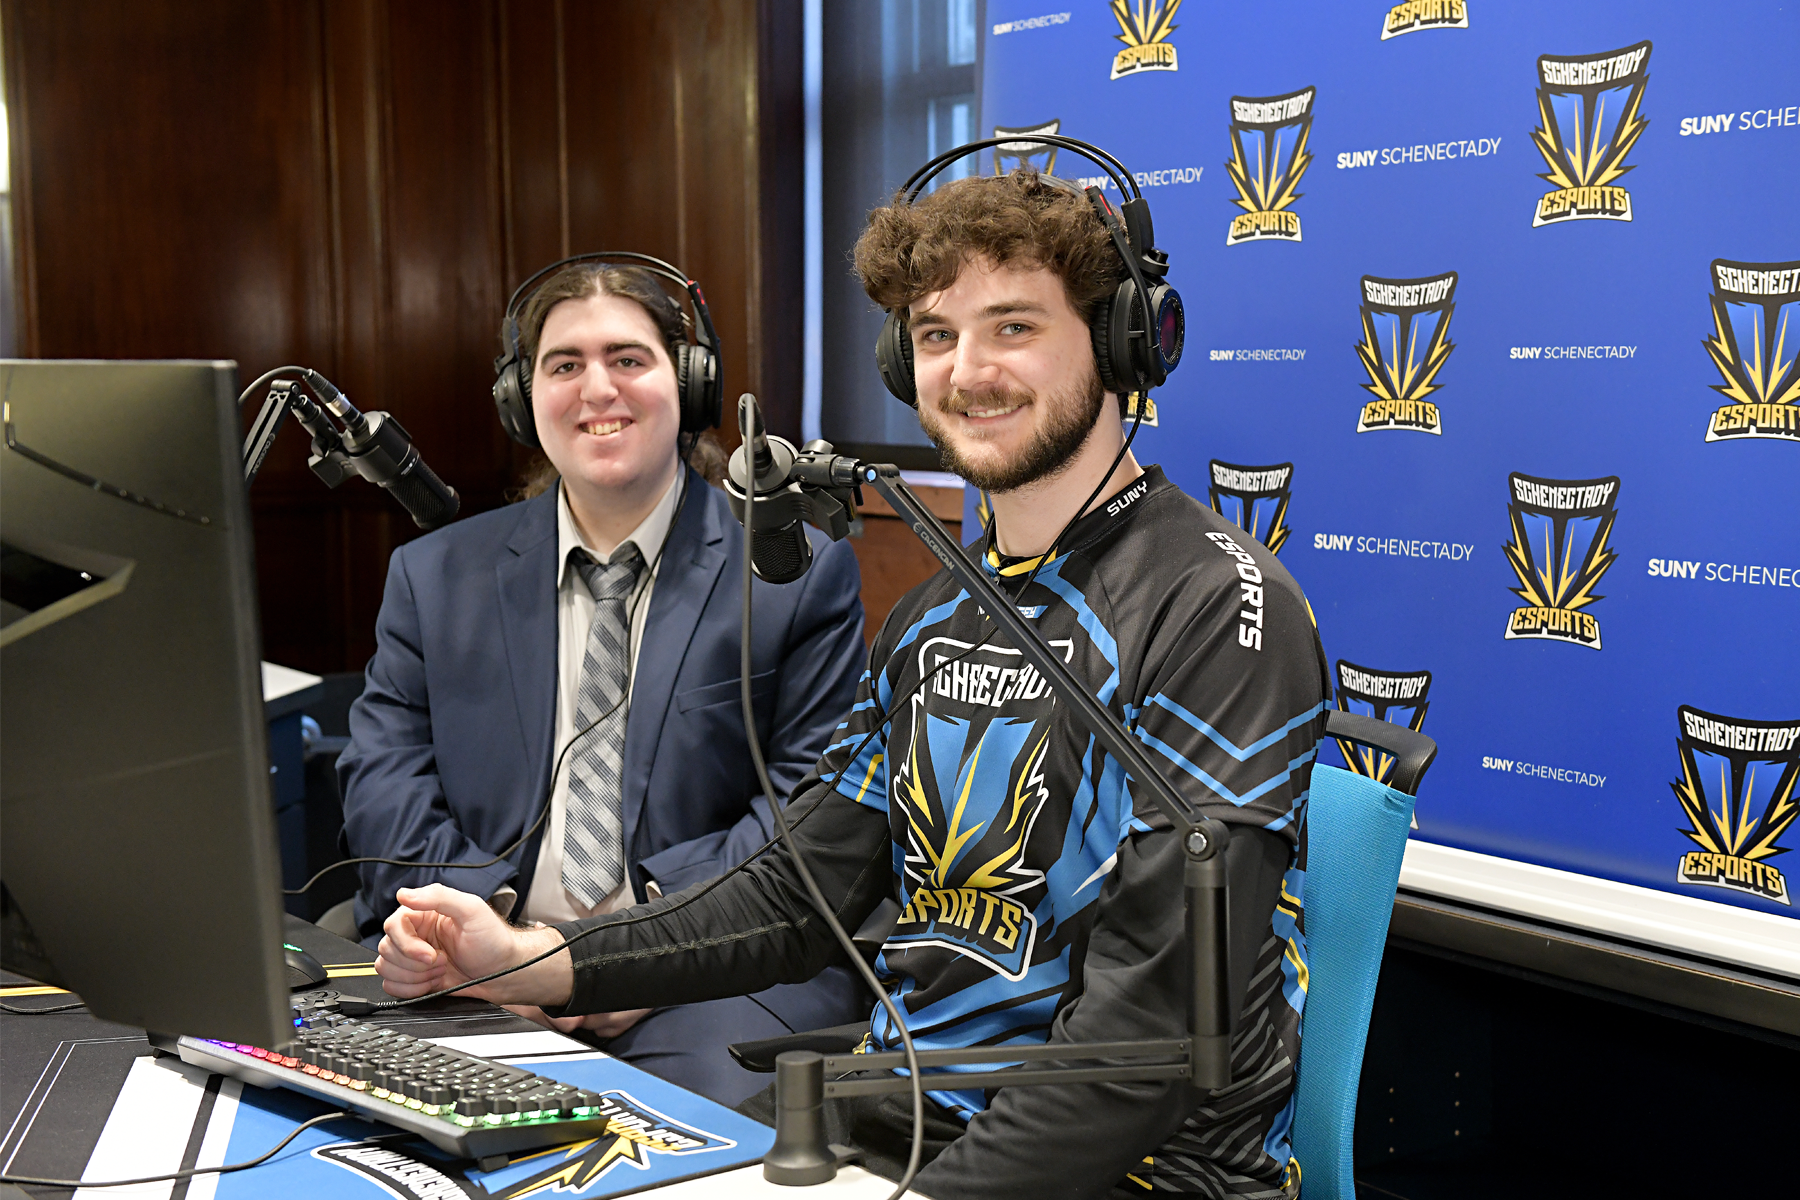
(137, 843)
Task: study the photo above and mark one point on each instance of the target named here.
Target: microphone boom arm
(1203, 1056)
(373, 445)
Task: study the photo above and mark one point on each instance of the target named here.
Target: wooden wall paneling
(18, 107)
(177, 201)
(356, 84)
(623, 181)
(781, 146)
(893, 561)
(445, 233)
(203, 105)
(534, 163)
(720, 177)
(356, 185)
(432, 188)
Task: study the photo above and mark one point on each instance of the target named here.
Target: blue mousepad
(675, 1135)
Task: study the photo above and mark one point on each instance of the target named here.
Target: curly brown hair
(578, 282)
(909, 250)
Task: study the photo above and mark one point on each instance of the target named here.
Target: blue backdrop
(1493, 317)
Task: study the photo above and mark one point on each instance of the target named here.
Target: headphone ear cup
(1106, 359)
(697, 382)
(894, 359)
(512, 399)
(1127, 353)
(684, 386)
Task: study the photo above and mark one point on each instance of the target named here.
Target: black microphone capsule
(781, 555)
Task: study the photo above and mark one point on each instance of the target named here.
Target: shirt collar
(1107, 513)
(647, 537)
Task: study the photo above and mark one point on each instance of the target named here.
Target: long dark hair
(578, 282)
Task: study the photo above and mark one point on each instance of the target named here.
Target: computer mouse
(303, 970)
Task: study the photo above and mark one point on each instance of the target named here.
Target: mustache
(959, 401)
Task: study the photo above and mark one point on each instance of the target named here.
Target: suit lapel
(527, 588)
(690, 569)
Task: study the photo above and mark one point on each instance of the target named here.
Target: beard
(1069, 418)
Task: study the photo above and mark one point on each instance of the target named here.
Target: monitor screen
(137, 845)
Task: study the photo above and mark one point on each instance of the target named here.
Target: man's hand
(439, 938)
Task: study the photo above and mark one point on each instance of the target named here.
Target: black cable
(187, 1173)
(268, 377)
(544, 812)
(38, 1012)
(793, 846)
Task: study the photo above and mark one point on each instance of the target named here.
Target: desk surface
(852, 1183)
(84, 1098)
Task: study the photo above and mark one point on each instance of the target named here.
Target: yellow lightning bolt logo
(1566, 580)
(633, 1134)
(1742, 833)
(1148, 24)
(1589, 162)
(1411, 372)
(1764, 376)
(1028, 795)
(1259, 186)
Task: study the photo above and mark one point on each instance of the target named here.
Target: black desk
(60, 1074)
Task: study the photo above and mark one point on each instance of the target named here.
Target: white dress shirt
(547, 900)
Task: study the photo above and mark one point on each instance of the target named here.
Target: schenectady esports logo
(1255, 499)
(971, 786)
(1146, 27)
(1587, 123)
(1560, 553)
(1415, 15)
(1396, 696)
(1756, 347)
(1405, 344)
(1268, 159)
(1737, 789)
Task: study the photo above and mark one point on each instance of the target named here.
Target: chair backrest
(1356, 837)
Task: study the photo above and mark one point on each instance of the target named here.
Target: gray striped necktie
(593, 840)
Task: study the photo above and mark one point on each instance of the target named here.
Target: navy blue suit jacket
(451, 741)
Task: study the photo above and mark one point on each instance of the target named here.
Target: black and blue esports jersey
(1041, 899)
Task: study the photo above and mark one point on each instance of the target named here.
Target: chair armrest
(760, 1056)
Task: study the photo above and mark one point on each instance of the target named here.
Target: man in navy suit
(593, 631)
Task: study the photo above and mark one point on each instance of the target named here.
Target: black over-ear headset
(1132, 356)
(699, 377)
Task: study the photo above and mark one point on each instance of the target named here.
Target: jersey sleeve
(855, 763)
(1234, 710)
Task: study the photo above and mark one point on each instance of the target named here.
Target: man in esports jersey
(1042, 900)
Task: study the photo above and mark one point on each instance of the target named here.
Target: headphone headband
(1129, 359)
(704, 333)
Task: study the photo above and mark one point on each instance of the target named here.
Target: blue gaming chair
(1356, 837)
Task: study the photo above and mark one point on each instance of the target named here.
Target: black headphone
(699, 379)
(1129, 358)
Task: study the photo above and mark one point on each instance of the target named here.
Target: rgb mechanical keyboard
(468, 1106)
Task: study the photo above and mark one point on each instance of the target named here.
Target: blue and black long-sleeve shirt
(1041, 893)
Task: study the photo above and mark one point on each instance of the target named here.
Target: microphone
(378, 448)
(779, 549)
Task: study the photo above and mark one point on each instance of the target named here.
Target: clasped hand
(439, 938)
